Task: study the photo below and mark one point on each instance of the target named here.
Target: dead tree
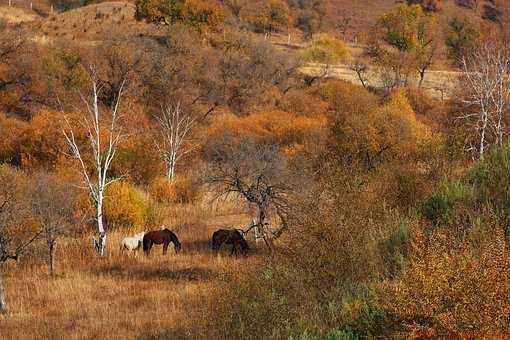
(487, 74)
(103, 135)
(255, 172)
(13, 241)
(361, 68)
(51, 202)
(174, 129)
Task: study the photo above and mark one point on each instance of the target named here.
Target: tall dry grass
(122, 295)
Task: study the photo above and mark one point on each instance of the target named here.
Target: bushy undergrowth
(178, 190)
(380, 270)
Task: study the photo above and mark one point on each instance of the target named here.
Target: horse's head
(177, 246)
(140, 235)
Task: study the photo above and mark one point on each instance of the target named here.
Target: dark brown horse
(164, 237)
(229, 236)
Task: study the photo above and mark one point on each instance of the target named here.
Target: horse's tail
(214, 242)
(145, 243)
(244, 244)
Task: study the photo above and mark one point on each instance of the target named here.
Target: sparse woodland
(372, 206)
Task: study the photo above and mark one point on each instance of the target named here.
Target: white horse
(132, 243)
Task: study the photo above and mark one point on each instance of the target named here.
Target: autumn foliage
(370, 217)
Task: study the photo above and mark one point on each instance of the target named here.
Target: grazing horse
(132, 242)
(164, 237)
(229, 236)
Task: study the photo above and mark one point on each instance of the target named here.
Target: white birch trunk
(3, 302)
(175, 127)
(97, 184)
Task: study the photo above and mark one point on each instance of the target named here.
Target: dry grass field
(123, 296)
(438, 84)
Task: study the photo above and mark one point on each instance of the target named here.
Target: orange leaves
(287, 129)
(364, 130)
(13, 132)
(178, 190)
(452, 288)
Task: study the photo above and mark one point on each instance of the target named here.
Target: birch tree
(174, 129)
(487, 71)
(103, 134)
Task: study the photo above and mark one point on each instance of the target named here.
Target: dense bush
(451, 288)
(181, 189)
(326, 49)
(127, 206)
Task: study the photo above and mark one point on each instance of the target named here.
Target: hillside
(351, 19)
(115, 20)
(362, 14)
(109, 20)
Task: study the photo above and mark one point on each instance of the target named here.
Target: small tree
(97, 124)
(361, 68)
(13, 241)
(461, 36)
(270, 16)
(254, 171)
(200, 14)
(404, 41)
(175, 127)
(52, 204)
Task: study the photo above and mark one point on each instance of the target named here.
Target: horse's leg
(165, 247)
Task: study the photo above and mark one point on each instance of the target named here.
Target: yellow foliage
(373, 134)
(326, 49)
(126, 206)
(178, 190)
(285, 128)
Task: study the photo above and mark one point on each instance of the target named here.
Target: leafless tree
(425, 54)
(256, 172)
(117, 63)
(361, 68)
(99, 124)
(174, 128)
(52, 204)
(487, 71)
(13, 242)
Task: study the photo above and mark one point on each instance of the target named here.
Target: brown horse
(229, 236)
(164, 237)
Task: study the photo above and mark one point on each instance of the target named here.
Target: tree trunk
(482, 136)
(263, 231)
(171, 168)
(52, 256)
(422, 78)
(360, 77)
(100, 244)
(3, 303)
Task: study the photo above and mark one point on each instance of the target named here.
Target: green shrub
(440, 206)
(396, 246)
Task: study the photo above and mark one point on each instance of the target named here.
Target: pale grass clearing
(123, 295)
